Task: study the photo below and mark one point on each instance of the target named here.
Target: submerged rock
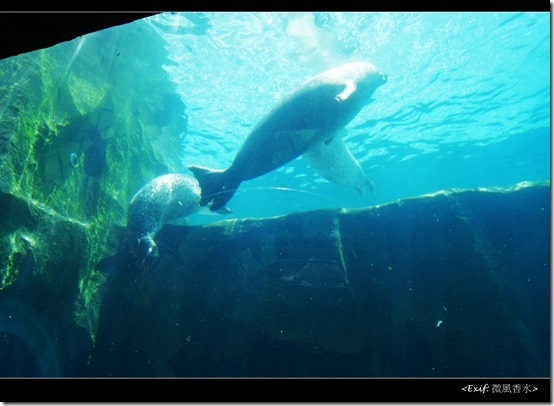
(40, 262)
(453, 284)
(80, 133)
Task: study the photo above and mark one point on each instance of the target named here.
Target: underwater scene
(279, 194)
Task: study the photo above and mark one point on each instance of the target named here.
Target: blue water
(466, 104)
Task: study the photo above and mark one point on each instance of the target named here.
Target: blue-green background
(466, 105)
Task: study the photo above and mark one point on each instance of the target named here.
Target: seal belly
(308, 117)
(277, 149)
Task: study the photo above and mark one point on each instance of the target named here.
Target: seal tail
(215, 185)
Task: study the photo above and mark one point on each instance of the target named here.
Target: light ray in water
(51, 212)
(76, 52)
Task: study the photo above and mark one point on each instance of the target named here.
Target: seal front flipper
(350, 88)
(147, 246)
(341, 134)
(365, 186)
(336, 163)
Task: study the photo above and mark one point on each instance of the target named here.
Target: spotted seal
(164, 198)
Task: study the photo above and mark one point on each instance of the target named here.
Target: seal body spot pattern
(165, 198)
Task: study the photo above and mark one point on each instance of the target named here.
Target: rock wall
(454, 284)
(82, 126)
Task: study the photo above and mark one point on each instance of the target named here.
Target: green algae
(17, 251)
(53, 99)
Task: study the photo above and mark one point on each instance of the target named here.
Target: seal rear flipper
(215, 185)
(211, 181)
(224, 211)
(221, 198)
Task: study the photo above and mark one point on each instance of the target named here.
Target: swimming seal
(165, 198)
(312, 114)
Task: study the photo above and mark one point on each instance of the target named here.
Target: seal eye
(74, 160)
(383, 78)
